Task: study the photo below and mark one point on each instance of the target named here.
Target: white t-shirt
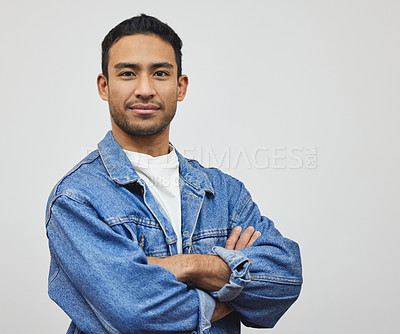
(161, 175)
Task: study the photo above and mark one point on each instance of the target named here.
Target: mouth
(144, 109)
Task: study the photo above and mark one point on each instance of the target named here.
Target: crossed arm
(206, 271)
(89, 260)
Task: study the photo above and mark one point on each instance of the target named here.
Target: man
(143, 240)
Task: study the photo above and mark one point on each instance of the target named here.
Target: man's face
(142, 89)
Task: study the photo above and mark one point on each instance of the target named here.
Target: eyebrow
(137, 66)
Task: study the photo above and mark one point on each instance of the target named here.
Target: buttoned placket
(161, 217)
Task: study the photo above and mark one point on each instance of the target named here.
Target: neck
(154, 145)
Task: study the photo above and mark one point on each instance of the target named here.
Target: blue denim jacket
(102, 221)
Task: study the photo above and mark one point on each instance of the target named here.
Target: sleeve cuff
(240, 277)
(207, 306)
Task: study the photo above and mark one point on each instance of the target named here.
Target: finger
(254, 237)
(233, 238)
(245, 238)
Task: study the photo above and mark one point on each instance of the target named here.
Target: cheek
(168, 94)
(118, 95)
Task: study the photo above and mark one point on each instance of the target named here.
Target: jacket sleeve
(266, 277)
(101, 279)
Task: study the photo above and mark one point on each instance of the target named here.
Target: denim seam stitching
(104, 164)
(68, 195)
(209, 234)
(125, 182)
(244, 206)
(276, 279)
(190, 194)
(76, 198)
(132, 219)
(79, 165)
(52, 278)
(189, 183)
(197, 219)
(73, 170)
(157, 254)
(236, 218)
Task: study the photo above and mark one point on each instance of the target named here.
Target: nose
(144, 88)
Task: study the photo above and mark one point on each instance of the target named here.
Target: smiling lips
(144, 109)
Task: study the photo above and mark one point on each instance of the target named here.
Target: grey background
(263, 75)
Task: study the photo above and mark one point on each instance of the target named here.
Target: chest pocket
(147, 233)
(204, 241)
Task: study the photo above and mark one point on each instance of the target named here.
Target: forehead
(141, 48)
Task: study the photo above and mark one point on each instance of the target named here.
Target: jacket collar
(122, 172)
(116, 162)
(193, 176)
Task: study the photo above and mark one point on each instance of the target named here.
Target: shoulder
(79, 179)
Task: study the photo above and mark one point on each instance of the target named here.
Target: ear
(102, 86)
(183, 83)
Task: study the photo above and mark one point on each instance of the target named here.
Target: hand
(246, 239)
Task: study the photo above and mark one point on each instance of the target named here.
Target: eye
(127, 74)
(161, 74)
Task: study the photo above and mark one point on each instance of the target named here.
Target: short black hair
(141, 24)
